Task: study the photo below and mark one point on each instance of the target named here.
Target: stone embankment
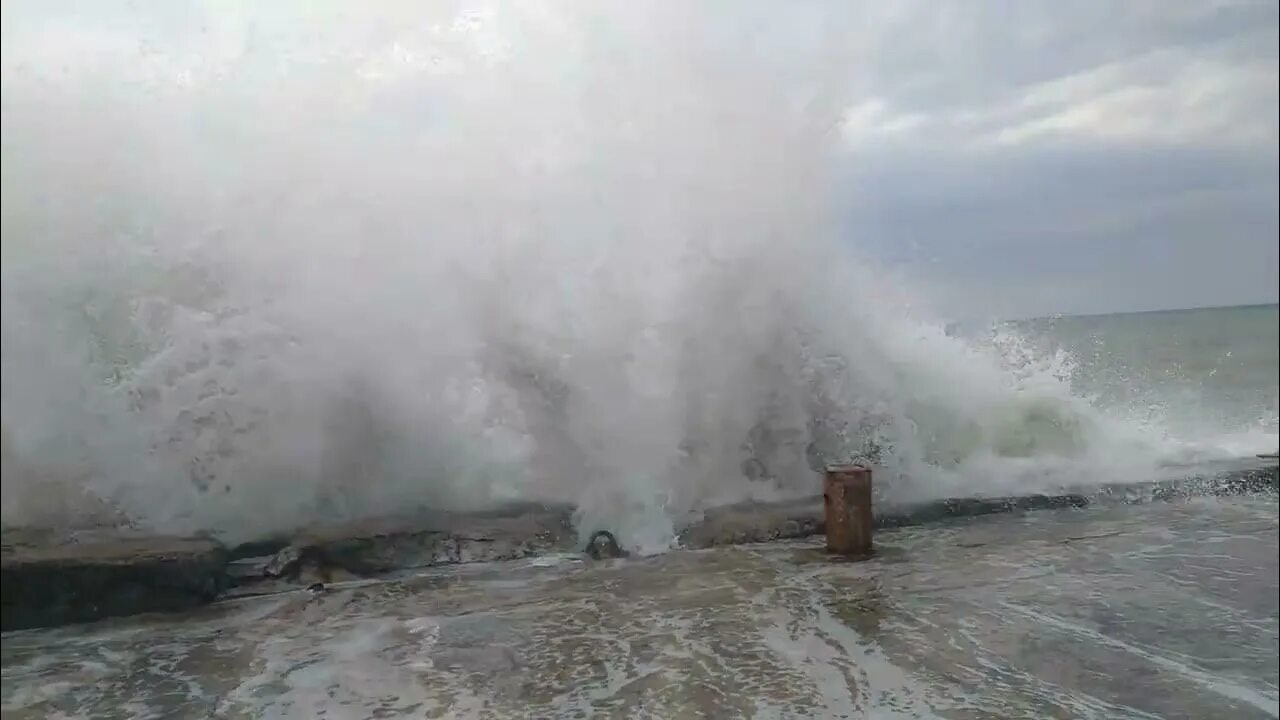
(48, 580)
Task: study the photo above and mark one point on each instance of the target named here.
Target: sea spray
(270, 266)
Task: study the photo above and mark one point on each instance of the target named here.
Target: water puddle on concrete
(1162, 610)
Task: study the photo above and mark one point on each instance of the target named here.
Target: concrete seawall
(57, 580)
(763, 522)
(45, 583)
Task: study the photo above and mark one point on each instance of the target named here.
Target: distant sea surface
(1209, 376)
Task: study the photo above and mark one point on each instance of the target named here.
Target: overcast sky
(1041, 156)
(1038, 157)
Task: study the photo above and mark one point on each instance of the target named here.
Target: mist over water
(272, 265)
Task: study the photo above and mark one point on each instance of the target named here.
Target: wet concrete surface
(48, 581)
(1152, 610)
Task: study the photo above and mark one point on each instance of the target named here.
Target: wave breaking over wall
(269, 264)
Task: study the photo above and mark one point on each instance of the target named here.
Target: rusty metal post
(847, 497)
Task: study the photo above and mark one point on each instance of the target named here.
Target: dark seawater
(1210, 377)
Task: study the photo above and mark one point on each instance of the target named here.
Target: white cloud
(873, 119)
(1167, 99)
(1163, 73)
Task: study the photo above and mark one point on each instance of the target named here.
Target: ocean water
(1014, 408)
(1209, 378)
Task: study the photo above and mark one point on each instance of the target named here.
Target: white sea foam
(273, 264)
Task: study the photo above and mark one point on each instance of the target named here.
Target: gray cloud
(1013, 158)
(1074, 157)
(1089, 229)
